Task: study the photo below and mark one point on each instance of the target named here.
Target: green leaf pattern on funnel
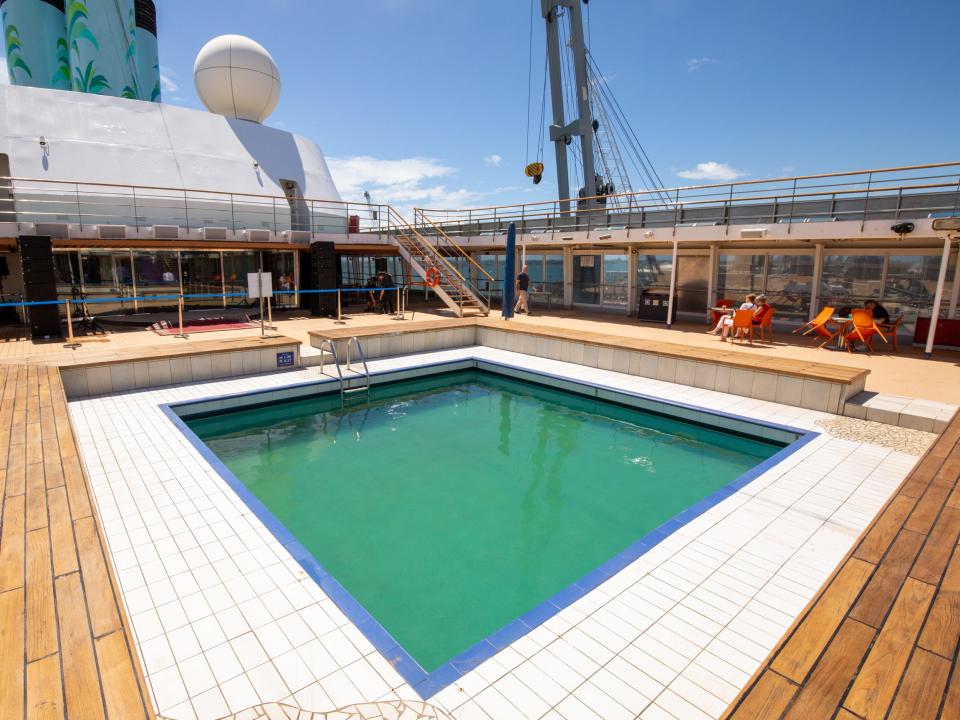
(84, 79)
(14, 56)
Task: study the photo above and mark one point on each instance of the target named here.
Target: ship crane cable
(534, 170)
(612, 146)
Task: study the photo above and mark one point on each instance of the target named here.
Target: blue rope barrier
(194, 296)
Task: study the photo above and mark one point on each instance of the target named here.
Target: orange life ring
(433, 277)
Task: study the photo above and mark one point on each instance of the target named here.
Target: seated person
(371, 298)
(727, 320)
(762, 310)
(879, 312)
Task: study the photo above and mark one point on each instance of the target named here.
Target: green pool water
(451, 505)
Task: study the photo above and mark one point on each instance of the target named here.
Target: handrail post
(79, 211)
(275, 216)
(339, 320)
(793, 200)
(136, 221)
(233, 218)
(866, 202)
(70, 341)
(181, 334)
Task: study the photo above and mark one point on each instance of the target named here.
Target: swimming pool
(453, 511)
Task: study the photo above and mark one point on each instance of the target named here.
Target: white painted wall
(114, 140)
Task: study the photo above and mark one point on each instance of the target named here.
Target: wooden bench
(812, 385)
(881, 636)
(144, 367)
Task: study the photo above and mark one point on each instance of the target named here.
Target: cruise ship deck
(797, 611)
(267, 451)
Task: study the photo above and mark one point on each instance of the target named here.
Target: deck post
(712, 273)
(673, 283)
(815, 280)
(938, 297)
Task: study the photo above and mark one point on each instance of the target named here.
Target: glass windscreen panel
(911, 286)
(615, 273)
(236, 266)
(107, 274)
(739, 275)
(789, 284)
(202, 279)
(587, 279)
(848, 281)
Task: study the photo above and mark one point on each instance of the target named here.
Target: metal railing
(916, 191)
(88, 204)
(457, 290)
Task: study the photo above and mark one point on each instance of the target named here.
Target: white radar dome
(235, 76)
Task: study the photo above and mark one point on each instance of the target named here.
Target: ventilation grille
(214, 233)
(297, 236)
(111, 232)
(166, 232)
(54, 230)
(258, 235)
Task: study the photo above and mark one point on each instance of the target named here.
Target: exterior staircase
(425, 258)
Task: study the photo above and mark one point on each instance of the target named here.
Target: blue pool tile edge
(427, 684)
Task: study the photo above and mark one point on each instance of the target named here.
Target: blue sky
(424, 102)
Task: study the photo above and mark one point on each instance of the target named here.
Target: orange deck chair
(822, 324)
(891, 328)
(864, 328)
(766, 326)
(742, 325)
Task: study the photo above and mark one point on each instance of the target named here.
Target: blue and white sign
(285, 359)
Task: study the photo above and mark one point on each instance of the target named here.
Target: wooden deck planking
(65, 646)
(888, 648)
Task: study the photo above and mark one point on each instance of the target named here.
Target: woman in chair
(761, 310)
(727, 320)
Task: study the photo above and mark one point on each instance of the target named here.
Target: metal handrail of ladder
(363, 361)
(324, 344)
(328, 345)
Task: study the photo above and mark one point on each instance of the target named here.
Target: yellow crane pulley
(534, 170)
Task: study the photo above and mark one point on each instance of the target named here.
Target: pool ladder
(330, 346)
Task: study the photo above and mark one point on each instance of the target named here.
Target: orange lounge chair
(891, 329)
(742, 325)
(822, 324)
(864, 329)
(766, 326)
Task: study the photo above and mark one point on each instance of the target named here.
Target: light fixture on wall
(606, 237)
(256, 165)
(754, 233)
(43, 141)
(949, 223)
(648, 234)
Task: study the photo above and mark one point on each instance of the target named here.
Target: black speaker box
(39, 284)
(35, 246)
(323, 272)
(44, 321)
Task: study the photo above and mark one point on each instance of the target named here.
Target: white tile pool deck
(224, 618)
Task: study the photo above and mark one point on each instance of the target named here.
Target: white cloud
(402, 183)
(694, 64)
(167, 85)
(493, 160)
(711, 171)
(4, 77)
